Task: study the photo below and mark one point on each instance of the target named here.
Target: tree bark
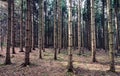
(59, 25)
(55, 30)
(116, 10)
(110, 30)
(7, 58)
(13, 27)
(93, 37)
(21, 28)
(70, 37)
(27, 35)
(40, 29)
(79, 27)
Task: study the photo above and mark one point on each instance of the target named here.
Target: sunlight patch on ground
(117, 68)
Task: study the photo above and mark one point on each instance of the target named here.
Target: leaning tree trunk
(70, 36)
(110, 30)
(55, 30)
(27, 35)
(7, 58)
(79, 26)
(93, 38)
(21, 28)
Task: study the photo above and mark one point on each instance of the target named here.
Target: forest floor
(50, 67)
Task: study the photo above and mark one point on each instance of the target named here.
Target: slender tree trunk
(70, 36)
(27, 35)
(93, 37)
(82, 34)
(40, 29)
(104, 26)
(88, 26)
(43, 28)
(103, 21)
(21, 28)
(116, 10)
(7, 58)
(33, 31)
(13, 27)
(30, 11)
(48, 32)
(59, 25)
(55, 30)
(74, 34)
(79, 26)
(110, 30)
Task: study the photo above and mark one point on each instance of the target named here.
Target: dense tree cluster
(61, 24)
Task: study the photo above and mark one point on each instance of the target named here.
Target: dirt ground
(50, 67)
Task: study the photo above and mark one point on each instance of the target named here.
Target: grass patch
(48, 54)
(60, 59)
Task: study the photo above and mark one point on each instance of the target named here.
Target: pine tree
(116, 10)
(13, 27)
(21, 28)
(93, 38)
(70, 37)
(27, 35)
(8, 59)
(59, 25)
(88, 26)
(110, 31)
(43, 28)
(79, 26)
(55, 30)
(40, 29)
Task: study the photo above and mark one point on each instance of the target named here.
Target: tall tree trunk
(104, 26)
(55, 30)
(116, 10)
(43, 28)
(59, 26)
(79, 26)
(30, 20)
(93, 37)
(48, 31)
(33, 31)
(40, 29)
(21, 28)
(27, 35)
(88, 25)
(7, 58)
(110, 30)
(70, 36)
(13, 27)
(103, 22)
